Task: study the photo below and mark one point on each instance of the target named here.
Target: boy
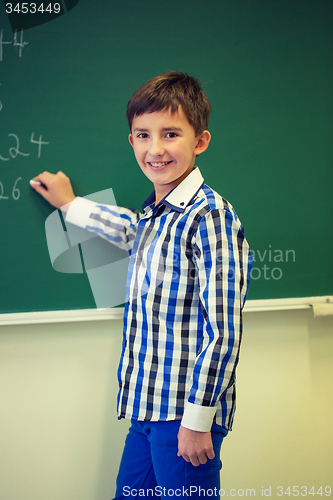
(187, 282)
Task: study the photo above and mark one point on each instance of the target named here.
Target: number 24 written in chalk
(15, 149)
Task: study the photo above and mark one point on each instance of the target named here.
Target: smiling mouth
(158, 164)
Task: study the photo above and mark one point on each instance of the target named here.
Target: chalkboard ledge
(320, 305)
(270, 305)
(61, 316)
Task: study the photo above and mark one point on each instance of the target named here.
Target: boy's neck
(161, 191)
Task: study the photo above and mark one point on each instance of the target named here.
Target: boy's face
(165, 146)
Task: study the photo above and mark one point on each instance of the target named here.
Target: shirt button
(120, 385)
(125, 343)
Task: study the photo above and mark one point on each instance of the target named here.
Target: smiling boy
(187, 283)
(165, 146)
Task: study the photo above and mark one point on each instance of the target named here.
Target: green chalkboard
(267, 68)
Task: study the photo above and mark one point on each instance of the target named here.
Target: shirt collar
(181, 195)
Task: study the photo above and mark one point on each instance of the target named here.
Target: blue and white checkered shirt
(187, 282)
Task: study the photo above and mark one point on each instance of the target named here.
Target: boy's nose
(156, 148)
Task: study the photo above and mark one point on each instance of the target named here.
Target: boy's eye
(143, 135)
(171, 135)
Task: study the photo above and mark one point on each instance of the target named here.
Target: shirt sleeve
(115, 224)
(221, 257)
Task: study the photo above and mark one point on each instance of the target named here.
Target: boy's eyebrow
(164, 129)
(178, 129)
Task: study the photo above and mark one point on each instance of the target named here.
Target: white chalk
(36, 183)
(322, 309)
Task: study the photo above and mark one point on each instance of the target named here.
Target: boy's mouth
(158, 164)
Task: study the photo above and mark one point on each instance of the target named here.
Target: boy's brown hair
(169, 91)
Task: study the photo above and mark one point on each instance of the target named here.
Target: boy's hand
(195, 446)
(55, 188)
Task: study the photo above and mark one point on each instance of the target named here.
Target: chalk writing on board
(15, 149)
(17, 42)
(15, 191)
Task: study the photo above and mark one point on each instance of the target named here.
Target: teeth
(158, 164)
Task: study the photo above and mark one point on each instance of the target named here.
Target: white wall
(283, 432)
(60, 438)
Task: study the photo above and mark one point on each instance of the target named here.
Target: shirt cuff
(198, 418)
(79, 211)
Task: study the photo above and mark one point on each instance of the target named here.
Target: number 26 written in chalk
(15, 191)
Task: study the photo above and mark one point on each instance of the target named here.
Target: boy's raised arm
(55, 188)
(115, 224)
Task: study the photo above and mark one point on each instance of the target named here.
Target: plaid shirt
(187, 282)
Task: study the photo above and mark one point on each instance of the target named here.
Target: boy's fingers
(55, 188)
(44, 179)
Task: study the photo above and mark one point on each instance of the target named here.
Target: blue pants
(150, 467)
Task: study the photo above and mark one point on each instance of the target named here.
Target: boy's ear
(202, 142)
(130, 138)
